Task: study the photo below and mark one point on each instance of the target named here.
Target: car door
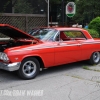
(67, 49)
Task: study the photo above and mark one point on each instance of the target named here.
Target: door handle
(78, 44)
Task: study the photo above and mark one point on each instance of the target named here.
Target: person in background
(86, 26)
(77, 25)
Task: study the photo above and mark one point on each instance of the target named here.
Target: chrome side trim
(61, 44)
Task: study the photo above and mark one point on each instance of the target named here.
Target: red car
(26, 54)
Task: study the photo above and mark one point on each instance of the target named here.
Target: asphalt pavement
(77, 81)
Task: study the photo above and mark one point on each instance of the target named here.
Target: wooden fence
(24, 22)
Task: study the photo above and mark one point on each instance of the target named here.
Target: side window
(75, 34)
(70, 35)
(62, 36)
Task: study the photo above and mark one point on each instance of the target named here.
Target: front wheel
(29, 68)
(95, 58)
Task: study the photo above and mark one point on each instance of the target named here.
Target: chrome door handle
(79, 45)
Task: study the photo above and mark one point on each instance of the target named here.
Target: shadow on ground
(56, 69)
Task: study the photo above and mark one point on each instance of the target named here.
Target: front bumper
(10, 67)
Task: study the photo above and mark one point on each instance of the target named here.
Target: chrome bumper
(10, 67)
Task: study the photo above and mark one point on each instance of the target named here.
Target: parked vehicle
(26, 54)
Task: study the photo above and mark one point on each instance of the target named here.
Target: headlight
(4, 57)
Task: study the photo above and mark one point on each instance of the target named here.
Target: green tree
(55, 1)
(93, 33)
(95, 24)
(59, 1)
(23, 6)
(86, 10)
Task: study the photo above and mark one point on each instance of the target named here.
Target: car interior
(68, 35)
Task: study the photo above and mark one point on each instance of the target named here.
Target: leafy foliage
(59, 1)
(95, 24)
(93, 33)
(86, 10)
(55, 1)
(23, 6)
(70, 34)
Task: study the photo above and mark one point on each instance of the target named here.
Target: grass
(86, 67)
(78, 77)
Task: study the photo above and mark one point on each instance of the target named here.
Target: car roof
(66, 28)
(61, 28)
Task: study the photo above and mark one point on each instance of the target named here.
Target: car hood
(14, 33)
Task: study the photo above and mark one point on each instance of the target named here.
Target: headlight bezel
(4, 57)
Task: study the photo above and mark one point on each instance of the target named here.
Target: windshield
(44, 34)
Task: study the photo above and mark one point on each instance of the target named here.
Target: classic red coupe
(26, 54)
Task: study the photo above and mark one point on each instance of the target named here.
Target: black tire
(29, 68)
(95, 58)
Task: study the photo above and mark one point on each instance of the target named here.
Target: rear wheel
(95, 58)
(29, 68)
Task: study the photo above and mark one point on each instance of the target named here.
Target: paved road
(67, 82)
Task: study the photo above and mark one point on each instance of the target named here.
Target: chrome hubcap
(29, 68)
(96, 56)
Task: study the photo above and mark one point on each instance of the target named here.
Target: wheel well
(39, 59)
(96, 51)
